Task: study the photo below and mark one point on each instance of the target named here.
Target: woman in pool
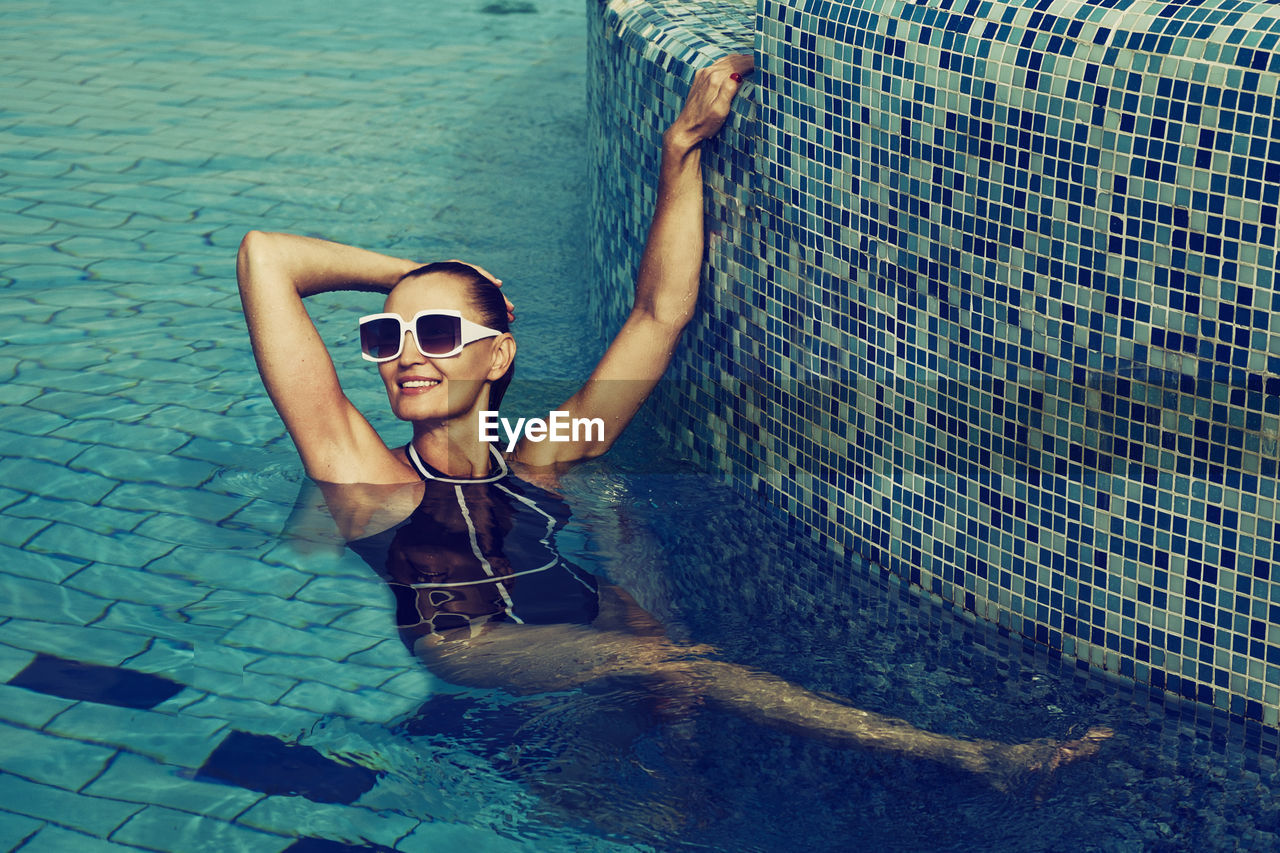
(482, 595)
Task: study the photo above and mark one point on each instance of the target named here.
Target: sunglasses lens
(438, 334)
(380, 338)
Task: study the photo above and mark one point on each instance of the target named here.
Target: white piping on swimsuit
(426, 474)
(546, 539)
(484, 563)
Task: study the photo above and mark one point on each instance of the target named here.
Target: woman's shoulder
(344, 512)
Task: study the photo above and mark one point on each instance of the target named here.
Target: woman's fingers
(711, 96)
(741, 64)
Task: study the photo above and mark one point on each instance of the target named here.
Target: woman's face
(422, 388)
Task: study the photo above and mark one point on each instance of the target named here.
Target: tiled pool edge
(884, 355)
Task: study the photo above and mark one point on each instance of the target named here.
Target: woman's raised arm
(275, 272)
(670, 270)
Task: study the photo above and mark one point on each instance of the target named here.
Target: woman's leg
(768, 699)
(525, 659)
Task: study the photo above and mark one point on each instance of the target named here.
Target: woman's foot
(1037, 761)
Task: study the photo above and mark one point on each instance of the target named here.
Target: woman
(482, 595)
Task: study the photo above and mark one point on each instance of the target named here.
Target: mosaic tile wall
(989, 303)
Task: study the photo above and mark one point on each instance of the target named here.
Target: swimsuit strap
(426, 472)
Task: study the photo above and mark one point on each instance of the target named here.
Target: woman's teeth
(419, 383)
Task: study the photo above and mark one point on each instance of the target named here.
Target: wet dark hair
(488, 303)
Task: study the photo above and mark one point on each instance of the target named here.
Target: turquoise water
(145, 482)
(144, 476)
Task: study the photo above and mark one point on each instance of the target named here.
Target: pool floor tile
(12, 661)
(168, 738)
(164, 621)
(22, 225)
(253, 716)
(244, 685)
(54, 603)
(339, 823)
(136, 779)
(77, 404)
(159, 828)
(43, 567)
(414, 683)
(264, 634)
(91, 645)
(224, 659)
(337, 569)
(129, 466)
(28, 708)
(341, 676)
(15, 827)
(371, 622)
(388, 653)
(33, 421)
(201, 533)
(54, 447)
(55, 839)
(343, 589)
(230, 571)
(53, 481)
(122, 582)
(94, 815)
(151, 498)
(136, 437)
(367, 704)
(50, 760)
(14, 394)
(290, 612)
(80, 216)
(16, 531)
(97, 519)
(68, 540)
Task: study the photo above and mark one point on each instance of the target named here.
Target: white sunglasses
(437, 333)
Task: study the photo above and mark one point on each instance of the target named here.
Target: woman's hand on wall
(707, 105)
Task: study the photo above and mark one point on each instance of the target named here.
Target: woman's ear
(504, 352)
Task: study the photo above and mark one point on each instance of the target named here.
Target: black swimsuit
(479, 550)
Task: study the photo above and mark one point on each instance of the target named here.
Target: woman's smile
(415, 385)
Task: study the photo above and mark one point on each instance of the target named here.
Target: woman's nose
(409, 352)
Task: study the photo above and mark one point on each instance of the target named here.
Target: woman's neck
(453, 451)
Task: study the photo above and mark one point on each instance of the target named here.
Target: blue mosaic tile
(989, 304)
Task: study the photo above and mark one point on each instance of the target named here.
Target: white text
(557, 427)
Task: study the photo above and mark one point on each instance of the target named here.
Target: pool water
(1173, 776)
(178, 674)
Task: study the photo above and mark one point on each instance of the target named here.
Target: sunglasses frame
(468, 333)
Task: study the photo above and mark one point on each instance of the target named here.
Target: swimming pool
(146, 480)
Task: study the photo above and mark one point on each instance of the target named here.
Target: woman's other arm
(275, 272)
(670, 271)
